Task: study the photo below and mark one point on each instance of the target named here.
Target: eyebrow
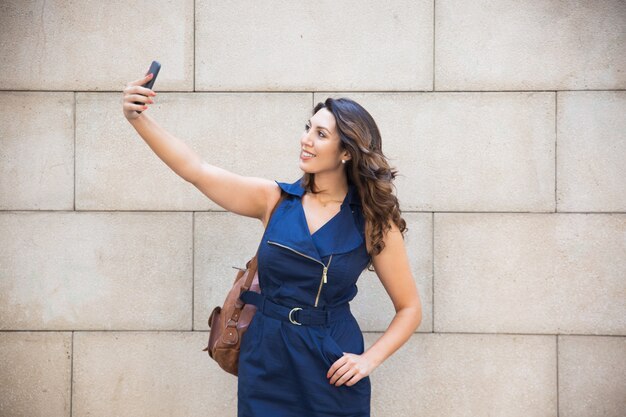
(321, 127)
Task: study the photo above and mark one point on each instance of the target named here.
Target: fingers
(137, 93)
(349, 376)
(139, 98)
(139, 107)
(137, 86)
(130, 95)
(132, 106)
(142, 80)
(140, 90)
(144, 99)
(147, 91)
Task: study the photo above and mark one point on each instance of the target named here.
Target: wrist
(140, 118)
(373, 357)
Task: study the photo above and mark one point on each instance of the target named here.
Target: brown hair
(368, 169)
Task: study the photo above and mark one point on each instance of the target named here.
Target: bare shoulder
(273, 192)
(392, 237)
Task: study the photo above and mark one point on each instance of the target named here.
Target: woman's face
(320, 138)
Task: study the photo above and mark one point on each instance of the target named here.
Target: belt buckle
(292, 320)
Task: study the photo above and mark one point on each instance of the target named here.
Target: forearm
(403, 325)
(174, 152)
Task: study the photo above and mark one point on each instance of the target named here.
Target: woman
(303, 353)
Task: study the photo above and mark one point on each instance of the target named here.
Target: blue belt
(296, 315)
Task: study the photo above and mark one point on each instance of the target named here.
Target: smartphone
(154, 69)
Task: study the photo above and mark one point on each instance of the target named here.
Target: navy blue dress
(303, 322)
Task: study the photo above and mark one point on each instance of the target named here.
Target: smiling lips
(306, 155)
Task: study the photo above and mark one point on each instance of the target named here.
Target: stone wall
(506, 120)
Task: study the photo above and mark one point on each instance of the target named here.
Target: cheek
(327, 152)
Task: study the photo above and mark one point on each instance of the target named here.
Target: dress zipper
(324, 279)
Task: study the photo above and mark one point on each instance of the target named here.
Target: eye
(307, 127)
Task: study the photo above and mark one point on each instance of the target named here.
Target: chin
(304, 168)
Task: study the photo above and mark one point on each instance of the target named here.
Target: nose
(306, 141)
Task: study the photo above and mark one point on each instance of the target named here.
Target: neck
(332, 187)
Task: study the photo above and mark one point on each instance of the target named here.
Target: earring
(343, 161)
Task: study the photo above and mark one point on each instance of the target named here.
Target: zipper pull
(326, 268)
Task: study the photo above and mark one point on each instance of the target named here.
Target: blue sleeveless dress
(303, 322)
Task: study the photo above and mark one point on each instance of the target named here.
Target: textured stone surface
(591, 376)
(506, 123)
(78, 271)
(81, 46)
(530, 273)
(36, 150)
(591, 156)
(149, 374)
(348, 45)
(467, 375)
(530, 45)
(35, 373)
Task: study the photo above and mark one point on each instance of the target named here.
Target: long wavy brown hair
(368, 169)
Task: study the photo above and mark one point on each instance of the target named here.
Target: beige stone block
(467, 151)
(36, 150)
(35, 373)
(61, 45)
(530, 45)
(149, 374)
(348, 45)
(591, 151)
(530, 273)
(467, 375)
(221, 241)
(372, 306)
(248, 134)
(591, 376)
(79, 271)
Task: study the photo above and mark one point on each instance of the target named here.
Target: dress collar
(296, 188)
(341, 234)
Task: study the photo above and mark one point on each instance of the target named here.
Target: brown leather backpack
(229, 322)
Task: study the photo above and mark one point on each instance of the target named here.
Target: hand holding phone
(154, 69)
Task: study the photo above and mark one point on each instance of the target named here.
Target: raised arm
(247, 196)
(174, 152)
